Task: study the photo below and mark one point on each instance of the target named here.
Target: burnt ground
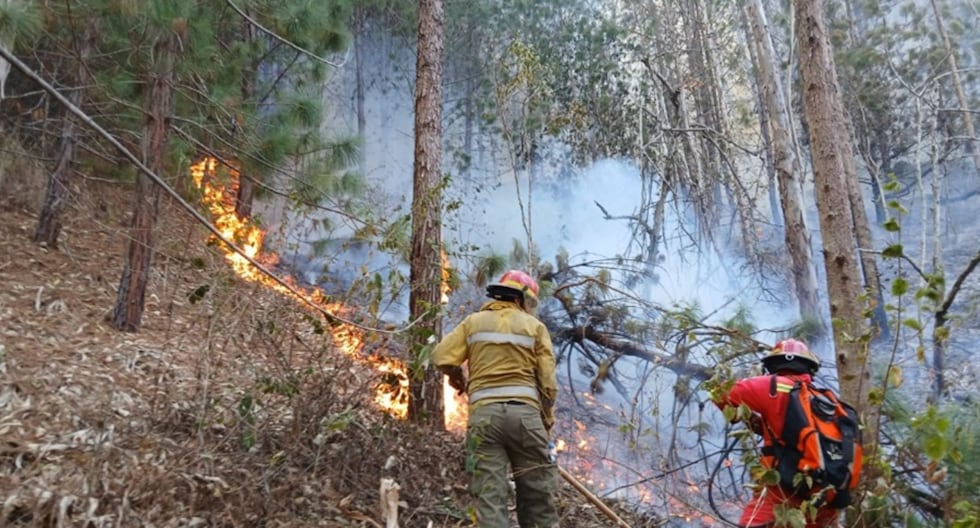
(232, 406)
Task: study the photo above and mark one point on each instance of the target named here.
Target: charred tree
(49, 221)
(127, 315)
(246, 185)
(425, 400)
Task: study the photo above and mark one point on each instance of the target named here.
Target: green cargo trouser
(511, 432)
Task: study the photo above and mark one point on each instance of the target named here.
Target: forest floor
(232, 406)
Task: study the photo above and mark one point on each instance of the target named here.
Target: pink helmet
(520, 281)
(516, 286)
(791, 354)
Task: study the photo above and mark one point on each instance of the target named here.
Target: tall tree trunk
(971, 135)
(830, 144)
(788, 171)
(245, 194)
(425, 401)
(865, 244)
(49, 222)
(763, 112)
(359, 42)
(127, 315)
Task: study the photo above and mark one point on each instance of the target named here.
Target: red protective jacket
(770, 408)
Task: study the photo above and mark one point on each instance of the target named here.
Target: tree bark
(49, 221)
(425, 400)
(788, 171)
(127, 314)
(865, 244)
(359, 59)
(971, 134)
(245, 194)
(830, 143)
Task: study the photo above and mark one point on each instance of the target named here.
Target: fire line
(219, 199)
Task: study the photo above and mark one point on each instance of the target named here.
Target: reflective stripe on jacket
(503, 347)
(756, 393)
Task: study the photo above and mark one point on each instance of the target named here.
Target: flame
(219, 197)
(456, 410)
(445, 289)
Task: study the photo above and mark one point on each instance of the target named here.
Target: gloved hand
(457, 380)
(549, 422)
(755, 423)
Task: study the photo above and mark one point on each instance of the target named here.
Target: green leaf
(891, 225)
(935, 447)
(893, 204)
(913, 324)
(892, 251)
(900, 287)
(770, 478)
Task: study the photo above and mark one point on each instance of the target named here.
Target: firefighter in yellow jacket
(512, 389)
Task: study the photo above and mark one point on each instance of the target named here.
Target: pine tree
(425, 402)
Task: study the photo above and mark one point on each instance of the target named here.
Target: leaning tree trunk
(425, 401)
(788, 172)
(127, 314)
(865, 244)
(971, 135)
(49, 221)
(830, 143)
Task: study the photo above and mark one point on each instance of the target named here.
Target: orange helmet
(791, 354)
(514, 282)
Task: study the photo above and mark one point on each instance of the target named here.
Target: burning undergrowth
(233, 406)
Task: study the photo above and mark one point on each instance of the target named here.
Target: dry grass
(232, 409)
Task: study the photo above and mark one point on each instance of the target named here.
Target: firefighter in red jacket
(512, 388)
(791, 361)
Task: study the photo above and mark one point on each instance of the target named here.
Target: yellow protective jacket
(509, 356)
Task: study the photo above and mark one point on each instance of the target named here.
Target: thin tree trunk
(830, 143)
(425, 402)
(358, 30)
(788, 169)
(865, 244)
(245, 194)
(127, 315)
(938, 333)
(971, 134)
(763, 112)
(49, 222)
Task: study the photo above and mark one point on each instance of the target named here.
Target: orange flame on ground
(220, 201)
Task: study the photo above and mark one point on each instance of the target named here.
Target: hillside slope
(231, 407)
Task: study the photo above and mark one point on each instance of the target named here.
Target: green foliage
(788, 516)
(740, 321)
(19, 21)
(489, 267)
(246, 412)
(943, 445)
(892, 251)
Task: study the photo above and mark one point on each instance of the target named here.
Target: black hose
(711, 479)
